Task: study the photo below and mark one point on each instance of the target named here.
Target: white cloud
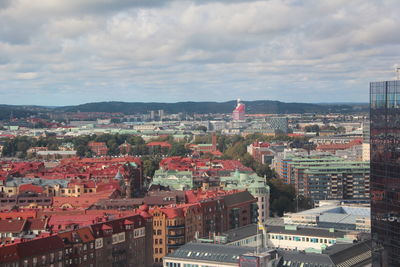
(26, 76)
(195, 50)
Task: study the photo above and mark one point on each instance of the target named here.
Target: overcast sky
(62, 52)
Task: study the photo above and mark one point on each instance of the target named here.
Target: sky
(58, 52)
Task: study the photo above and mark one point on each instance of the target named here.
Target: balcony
(176, 236)
(175, 245)
(182, 226)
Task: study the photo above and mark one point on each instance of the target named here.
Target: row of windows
(158, 250)
(303, 239)
(174, 264)
(157, 223)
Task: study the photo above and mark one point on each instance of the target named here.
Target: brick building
(125, 241)
(98, 148)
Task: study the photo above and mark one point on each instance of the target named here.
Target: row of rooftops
(73, 166)
(19, 225)
(191, 164)
(61, 217)
(46, 243)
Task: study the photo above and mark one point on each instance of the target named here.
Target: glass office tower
(385, 172)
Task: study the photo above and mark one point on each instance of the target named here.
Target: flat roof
(303, 231)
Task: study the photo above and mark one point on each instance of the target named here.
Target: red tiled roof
(18, 214)
(128, 222)
(37, 224)
(190, 164)
(63, 221)
(162, 144)
(333, 147)
(83, 201)
(12, 226)
(28, 249)
(30, 188)
(105, 227)
(85, 234)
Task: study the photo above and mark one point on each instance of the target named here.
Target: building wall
(159, 235)
(193, 223)
(385, 170)
(193, 263)
(298, 242)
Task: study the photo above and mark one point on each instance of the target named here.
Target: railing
(175, 245)
(176, 236)
(175, 226)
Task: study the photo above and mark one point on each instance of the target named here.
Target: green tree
(282, 197)
(150, 165)
(178, 149)
(312, 128)
(281, 205)
(201, 128)
(303, 203)
(236, 151)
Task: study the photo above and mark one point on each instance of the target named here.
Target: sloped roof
(37, 224)
(12, 226)
(238, 198)
(23, 250)
(210, 252)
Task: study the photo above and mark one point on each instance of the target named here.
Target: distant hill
(252, 107)
(7, 111)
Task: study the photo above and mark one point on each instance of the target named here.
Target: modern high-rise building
(385, 172)
(279, 124)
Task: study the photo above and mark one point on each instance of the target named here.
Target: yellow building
(173, 227)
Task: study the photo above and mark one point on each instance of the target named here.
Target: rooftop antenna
(398, 73)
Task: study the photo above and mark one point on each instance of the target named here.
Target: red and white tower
(239, 112)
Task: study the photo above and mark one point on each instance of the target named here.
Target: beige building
(291, 237)
(366, 152)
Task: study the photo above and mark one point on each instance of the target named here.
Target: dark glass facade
(385, 172)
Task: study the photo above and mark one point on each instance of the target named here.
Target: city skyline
(58, 53)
